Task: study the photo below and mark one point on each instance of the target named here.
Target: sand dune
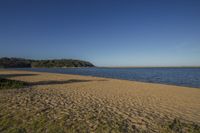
(72, 103)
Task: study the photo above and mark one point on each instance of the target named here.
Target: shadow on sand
(48, 82)
(15, 75)
(55, 82)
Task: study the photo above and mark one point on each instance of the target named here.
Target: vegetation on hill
(22, 63)
(14, 62)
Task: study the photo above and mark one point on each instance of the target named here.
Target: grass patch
(181, 127)
(11, 84)
(178, 126)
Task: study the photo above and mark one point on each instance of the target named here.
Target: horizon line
(148, 66)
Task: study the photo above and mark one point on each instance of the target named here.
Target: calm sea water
(175, 76)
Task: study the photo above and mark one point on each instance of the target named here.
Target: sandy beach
(72, 103)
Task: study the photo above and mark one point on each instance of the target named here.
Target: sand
(90, 104)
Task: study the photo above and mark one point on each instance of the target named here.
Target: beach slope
(71, 103)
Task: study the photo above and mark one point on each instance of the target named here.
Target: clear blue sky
(105, 32)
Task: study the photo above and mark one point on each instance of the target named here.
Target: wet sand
(91, 104)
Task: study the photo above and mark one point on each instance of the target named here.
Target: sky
(104, 32)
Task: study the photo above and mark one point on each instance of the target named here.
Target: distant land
(6, 62)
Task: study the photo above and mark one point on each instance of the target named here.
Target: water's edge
(188, 77)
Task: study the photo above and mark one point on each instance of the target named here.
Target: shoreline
(98, 103)
(168, 84)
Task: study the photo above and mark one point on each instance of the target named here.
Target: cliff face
(22, 63)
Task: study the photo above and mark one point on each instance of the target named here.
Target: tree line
(27, 63)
